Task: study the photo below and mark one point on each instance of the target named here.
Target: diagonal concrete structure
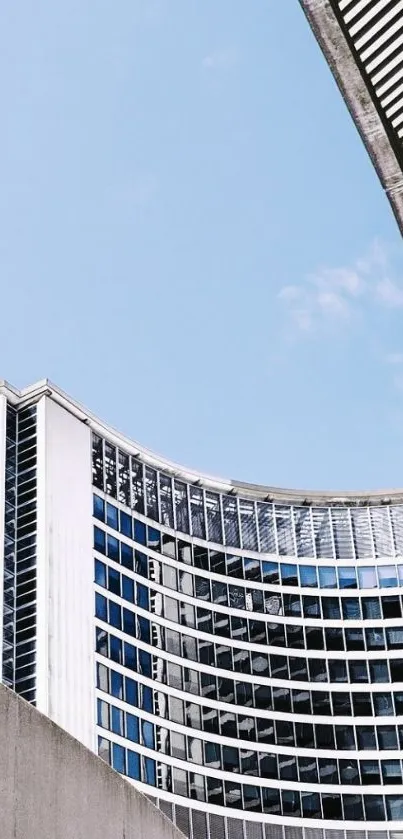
(362, 41)
(52, 787)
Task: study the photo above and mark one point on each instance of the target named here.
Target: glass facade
(249, 653)
(19, 575)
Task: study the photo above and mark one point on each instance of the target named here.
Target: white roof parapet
(31, 394)
(364, 50)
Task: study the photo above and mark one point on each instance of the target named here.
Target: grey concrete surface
(52, 787)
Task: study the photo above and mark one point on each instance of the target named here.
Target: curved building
(236, 651)
(362, 41)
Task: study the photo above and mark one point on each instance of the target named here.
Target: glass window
(103, 678)
(331, 608)
(125, 524)
(289, 575)
(98, 508)
(117, 721)
(130, 656)
(370, 772)
(351, 608)
(101, 607)
(271, 801)
(354, 639)
(358, 671)
(233, 797)
(270, 572)
(118, 758)
(391, 607)
(131, 692)
(116, 684)
(291, 802)
(102, 713)
(331, 805)
(379, 671)
(367, 577)
(375, 639)
(337, 670)
(396, 669)
(133, 765)
(104, 749)
(394, 807)
(139, 532)
(126, 556)
(127, 588)
(99, 540)
(387, 576)
(366, 737)
(374, 808)
(112, 516)
(115, 615)
(353, 809)
(383, 704)
(114, 581)
(116, 649)
(100, 573)
(147, 734)
(371, 608)
(311, 808)
(347, 577)
(391, 771)
(112, 548)
(307, 576)
(327, 577)
(149, 771)
(387, 738)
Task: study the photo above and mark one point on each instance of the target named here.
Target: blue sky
(193, 241)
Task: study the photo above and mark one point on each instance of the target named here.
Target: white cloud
(221, 59)
(394, 358)
(338, 295)
(389, 293)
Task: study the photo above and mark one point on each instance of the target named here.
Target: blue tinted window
(99, 508)
(144, 629)
(116, 684)
(118, 758)
(116, 649)
(129, 625)
(127, 588)
(125, 524)
(145, 663)
(327, 577)
(99, 540)
(115, 615)
(131, 692)
(117, 721)
(101, 607)
(139, 532)
(141, 564)
(289, 575)
(147, 734)
(133, 765)
(347, 577)
(270, 572)
(149, 766)
(126, 556)
(112, 516)
(113, 548)
(114, 581)
(142, 596)
(154, 538)
(100, 573)
(132, 728)
(147, 699)
(387, 576)
(130, 656)
(307, 575)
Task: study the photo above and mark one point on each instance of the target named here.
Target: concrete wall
(52, 787)
(65, 573)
